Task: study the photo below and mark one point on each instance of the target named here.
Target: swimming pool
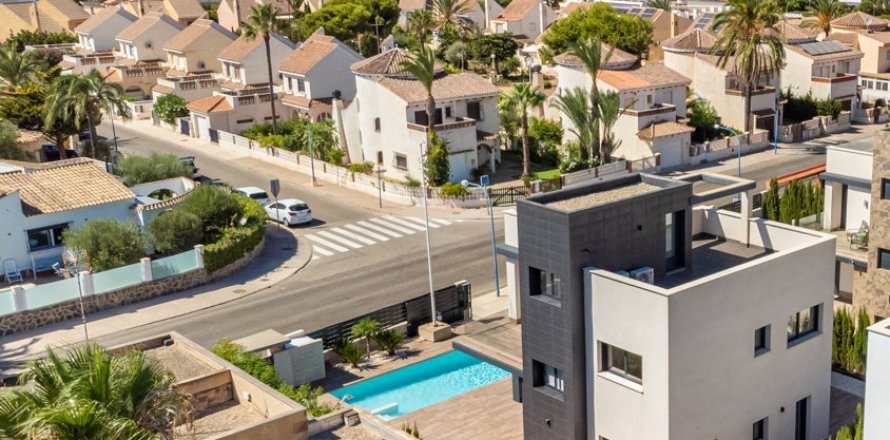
(419, 385)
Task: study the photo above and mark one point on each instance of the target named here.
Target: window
(761, 340)
(800, 419)
(420, 117)
(885, 189)
(545, 283)
(447, 112)
(803, 323)
(887, 55)
(674, 234)
(301, 85)
(377, 124)
(46, 238)
(401, 161)
(759, 430)
(246, 121)
(670, 245)
(622, 363)
(474, 110)
(883, 258)
(548, 376)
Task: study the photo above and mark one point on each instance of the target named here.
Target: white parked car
(289, 211)
(255, 193)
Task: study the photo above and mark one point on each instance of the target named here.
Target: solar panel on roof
(704, 21)
(648, 12)
(633, 11)
(824, 47)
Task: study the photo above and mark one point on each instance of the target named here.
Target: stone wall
(209, 390)
(31, 319)
(873, 292)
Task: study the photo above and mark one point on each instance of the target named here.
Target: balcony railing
(654, 109)
(735, 87)
(835, 78)
(453, 124)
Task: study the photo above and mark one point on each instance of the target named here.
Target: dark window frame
(54, 238)
(762, 340)
(538, 286)
(883, 259)
(760, 429)
(400, 164)
(377, 125)
(541, 374)
(798, 330)
(885, 189)
(609, 353)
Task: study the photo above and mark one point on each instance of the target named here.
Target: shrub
(175, 231)
(107, 243)
(349, 352)
(437, 165)
(366, 167)
(25, 37)
(880, 103)
(157, 166)
(798, 109)
(272, 141)
(453, 190)
(411, 182)
(307, 395)
(251, 211)
(232, 245)
(216, 208)
(829, 107)
(9, 147)
(702, 117)
(545, 138)
(170, 107)
(389, 340)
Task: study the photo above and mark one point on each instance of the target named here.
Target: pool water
(419, 385)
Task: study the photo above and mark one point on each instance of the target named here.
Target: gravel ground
(181, 363)
(357, 432)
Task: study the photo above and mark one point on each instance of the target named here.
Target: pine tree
(771, 201)
(860, 341)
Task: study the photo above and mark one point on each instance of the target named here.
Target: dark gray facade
(620, 234)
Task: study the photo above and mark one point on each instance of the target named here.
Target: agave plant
(389, 340)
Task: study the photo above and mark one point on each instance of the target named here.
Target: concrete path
(283, 255)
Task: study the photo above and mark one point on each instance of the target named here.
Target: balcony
(189, 83)
(734, 87)
(841, 85)
(652, 110)
(834, 78)
(96, 60)
(447, 124)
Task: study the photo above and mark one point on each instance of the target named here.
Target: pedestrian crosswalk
(344, 238)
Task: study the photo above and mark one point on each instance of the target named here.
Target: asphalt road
(332, 288)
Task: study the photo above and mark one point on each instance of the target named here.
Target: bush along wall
(235, 243)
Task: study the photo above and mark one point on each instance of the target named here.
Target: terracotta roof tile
(572, 7)
(459, 85)
(101, 17)
(860, 20)
(882, 37)
(694, 40)
(66, 8)
(111, 75)
(23, 136)
(65, 65)
(305, 103)
(64, 188)
(650, 75)
(386, 63)
(281, 6)
(145, 23)
(517, 9)
(412, 5)
(210, 104)
(308, 55)
(20, 10)
(793, 33)
(185, 8)
(163, 90)
(239, 49)
(193, 32)
(663, 129)
(848, 38)
(617, 59)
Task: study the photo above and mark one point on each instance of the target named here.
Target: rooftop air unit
(644, 274)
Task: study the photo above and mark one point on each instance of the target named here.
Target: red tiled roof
(210, 104)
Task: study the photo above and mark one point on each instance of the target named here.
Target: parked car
(189, 161)
(50, 152)
(289, 211)
(255, 193)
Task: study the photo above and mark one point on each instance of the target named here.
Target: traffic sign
(483, 180)
(275, 187)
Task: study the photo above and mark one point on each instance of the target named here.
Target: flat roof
(865, 145)
(603, 197)
(712, 254)
(599, 192)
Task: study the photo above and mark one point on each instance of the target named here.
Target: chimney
(141, 8)
(236, 5)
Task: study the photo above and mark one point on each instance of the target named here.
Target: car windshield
(299, 207)
(259, 195)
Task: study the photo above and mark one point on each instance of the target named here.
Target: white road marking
(326, 243)
(440, 221)
(405, 223)
(368, 232)
(422, 223)
(322, 251)
(383, 222)
(339, 239)
(353, 236)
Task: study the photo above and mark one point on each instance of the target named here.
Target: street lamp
(311, 154)
(739, 139)
(494, 249)
(426, 220)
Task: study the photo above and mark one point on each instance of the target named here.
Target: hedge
(234, 244)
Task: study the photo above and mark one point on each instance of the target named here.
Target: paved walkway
(283, 255)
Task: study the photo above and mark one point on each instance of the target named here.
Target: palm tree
(525, 96)
(366, 328)
(421, 23)
(452, 14)
(422, 64)
(609, 111)
(746, 37)
(260, 24)
(664, 5)
(91, 394)
(77, 98)
(575, 105)
(590, 52)
(19, 68)
(823, 12)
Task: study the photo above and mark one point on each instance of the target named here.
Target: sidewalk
(283, 255)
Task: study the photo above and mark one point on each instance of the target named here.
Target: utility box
(301, 361)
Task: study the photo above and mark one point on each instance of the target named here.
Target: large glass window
(622, 363)
(548, 376)
(883, 258)
(761, 340)
(760, 431)
(803, 323)
(670, 245)
(545, 283)
(46, 238)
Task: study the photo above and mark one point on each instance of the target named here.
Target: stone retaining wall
(31, 319)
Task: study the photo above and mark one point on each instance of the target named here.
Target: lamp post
(494, 248)
(426, 220)
(311, 155)
(739, 147)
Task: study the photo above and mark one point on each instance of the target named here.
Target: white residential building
(524, 19)
(142, 57)
(96, 41)
(653, 99)
(192, 61)
(389, 121)
(244, 96)
(314, 73)
(36, 207)
(646, 317)
(876, 424)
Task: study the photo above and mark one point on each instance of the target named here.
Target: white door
(203, 127)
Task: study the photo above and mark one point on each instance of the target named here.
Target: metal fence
(453, 304)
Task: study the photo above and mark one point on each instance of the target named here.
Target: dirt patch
(180, 362)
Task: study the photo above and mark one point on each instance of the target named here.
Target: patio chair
(858, 238)
(57, 269)
(11, 271)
